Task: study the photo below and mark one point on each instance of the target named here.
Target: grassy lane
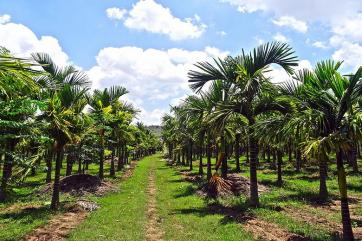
(185, 216)
(122, 214)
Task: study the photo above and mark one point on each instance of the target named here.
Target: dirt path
(153, 231)
(59, 226)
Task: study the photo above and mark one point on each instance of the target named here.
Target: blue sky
(149, 45)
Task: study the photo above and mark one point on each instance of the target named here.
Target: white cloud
(291, 22)
(5, 18)
(350, 28)
(307, 10)
(221, 33)
(116, 13)
(320, 45)
(21, 41)
(151, 75)
(280, 37)
(278, 74)
(150, 16)
(350, 53)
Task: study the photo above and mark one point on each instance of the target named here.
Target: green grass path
(122, 215)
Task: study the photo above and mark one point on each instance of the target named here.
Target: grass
(186, 216)
(183, 214)
(300, 190)
(25, 211)
(122, 214)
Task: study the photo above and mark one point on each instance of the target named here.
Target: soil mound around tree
(81, 185)
(79, 181)
(234, 185)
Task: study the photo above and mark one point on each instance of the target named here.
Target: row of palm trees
(50, 115)
(236, 108)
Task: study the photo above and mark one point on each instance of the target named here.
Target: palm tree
(62, 90)
(18, 92)
(101, 108)
(327, 119)
(246, 75)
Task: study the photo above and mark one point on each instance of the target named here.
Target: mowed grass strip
(122, 214)
(186, 216)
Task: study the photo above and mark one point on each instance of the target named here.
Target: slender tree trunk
(247, 151)
(298, 160)
(237, 152)
(268, 154)
(7, 169)
(112, 171)
(224, 154)
(70, 158)
(120, 158)
(201, 169)
(183, 156)
(253, 148)
(323, 191)
(342, 183)
(208, 157)
(279, 164)
(352, 156)
(190, 154)
(56, 186)
(101, 155)
(273, 164)
(49, 165)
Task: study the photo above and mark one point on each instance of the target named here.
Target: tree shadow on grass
(188, 191)
(27, 215)
(230, 214)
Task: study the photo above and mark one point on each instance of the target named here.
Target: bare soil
(153, 230)
(335, 228)
(270, 232)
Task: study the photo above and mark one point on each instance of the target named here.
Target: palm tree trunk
(342, 183)
(273, 164)
(56, 186)
(49, 165)
(112, 172)
(7, 169)
(253, 148)
(183, 156)
(353, 158)
(190, 154)
(101, 155)
(120, 158)
(279, 164)
(70, 158)
(298, 160)
(201, 170)
(208, 157)
(323, 191)
(237, 152)
(224, 165)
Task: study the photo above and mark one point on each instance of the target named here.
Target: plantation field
(179, 212)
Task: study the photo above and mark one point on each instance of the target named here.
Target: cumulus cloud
(307, 10)
(291, 22)
(320, 45)
(22, 41)
(280, 37)
(116, 13)
(350, 53)
(279, 75)
(151, 75)
(150, 16)
(5, 18)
